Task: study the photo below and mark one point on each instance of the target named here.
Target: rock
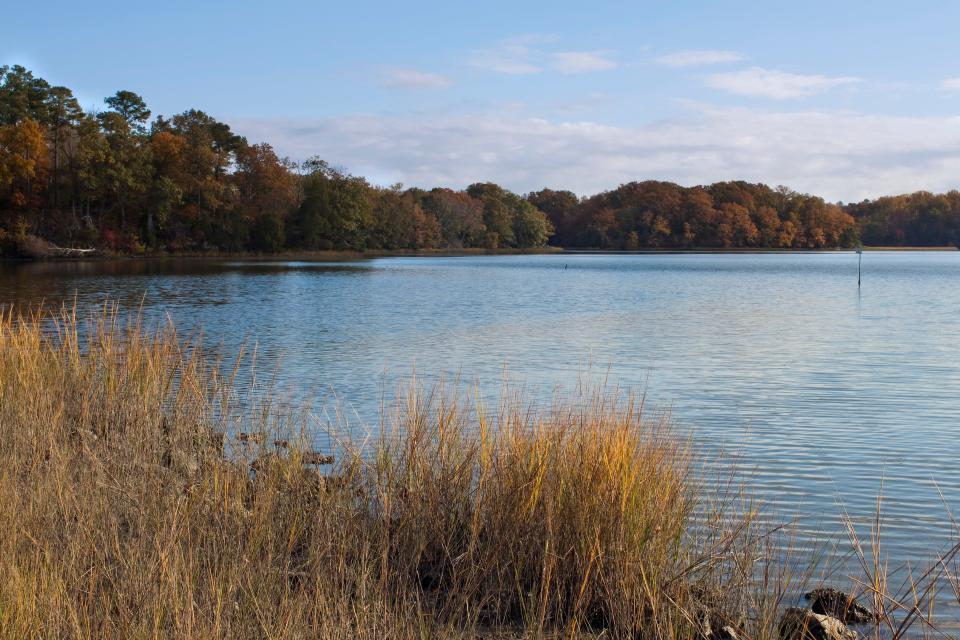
(711, 609)
(803, 624)
(835, 603)
(268, 462)
(725, 632)
(251, 438)
(713, 626)
(316, 458)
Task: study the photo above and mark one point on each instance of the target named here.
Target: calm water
(820, 389)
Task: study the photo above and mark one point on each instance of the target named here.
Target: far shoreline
(346, 255)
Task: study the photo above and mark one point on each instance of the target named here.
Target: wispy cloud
(699, 57)
(951, 84)
(512, 57)
(582, 61)
(779, 85)
(532, 54)
(412, 79)
(838, 154)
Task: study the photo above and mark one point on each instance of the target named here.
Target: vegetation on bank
(145, 494)
(121, 181)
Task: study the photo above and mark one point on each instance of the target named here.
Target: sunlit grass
(143, 495)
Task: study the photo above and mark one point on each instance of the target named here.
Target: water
(821, 390)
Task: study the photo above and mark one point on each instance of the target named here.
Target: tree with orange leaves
(23, 164)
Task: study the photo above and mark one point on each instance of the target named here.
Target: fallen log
(69, 252)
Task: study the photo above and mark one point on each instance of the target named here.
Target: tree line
(121, 180)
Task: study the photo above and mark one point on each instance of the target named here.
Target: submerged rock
(838, 604)
(803, 624)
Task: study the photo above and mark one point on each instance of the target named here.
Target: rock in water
(835, 603)
(803, 624)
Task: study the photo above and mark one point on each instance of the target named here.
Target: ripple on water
(822, 394)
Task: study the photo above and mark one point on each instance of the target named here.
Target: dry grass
(124, 514)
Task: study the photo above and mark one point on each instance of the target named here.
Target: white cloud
(951, 84)
(582, 61)
(837, 154)
(699, 57)
(779, 85)
(411, 79)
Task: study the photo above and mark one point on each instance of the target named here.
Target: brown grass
(124, 515)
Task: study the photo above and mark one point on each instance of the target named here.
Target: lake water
(821, 389)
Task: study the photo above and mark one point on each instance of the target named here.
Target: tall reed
(140, 499)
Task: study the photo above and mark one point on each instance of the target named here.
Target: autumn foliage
(125, 181)
(726, 214)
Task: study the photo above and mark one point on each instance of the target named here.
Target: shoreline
(346, 256)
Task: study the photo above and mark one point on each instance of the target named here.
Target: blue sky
(847, 99)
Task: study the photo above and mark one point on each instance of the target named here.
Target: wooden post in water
(859, 259)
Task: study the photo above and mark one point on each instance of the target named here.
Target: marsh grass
(143, 495)
(904, 599)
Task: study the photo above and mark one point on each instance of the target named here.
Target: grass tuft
(141, 498)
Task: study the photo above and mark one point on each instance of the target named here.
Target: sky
(847, 99)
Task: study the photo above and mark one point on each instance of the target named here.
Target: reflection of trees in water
(24, 285)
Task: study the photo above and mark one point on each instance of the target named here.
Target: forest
(123, 181)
